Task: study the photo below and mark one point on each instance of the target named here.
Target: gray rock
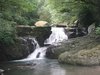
(82, 51)
(83, 57)
(68, 52)
(1, 70)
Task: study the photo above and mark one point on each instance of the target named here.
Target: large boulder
(91, 28)
(82, 57)
(53, 52)
(41, 34)
(41, 23)
(85, 51)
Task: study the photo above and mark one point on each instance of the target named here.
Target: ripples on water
(47, 67)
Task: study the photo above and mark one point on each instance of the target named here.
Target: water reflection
(79, 70)
(48, 67)
(57, 71)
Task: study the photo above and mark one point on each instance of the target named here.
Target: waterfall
(39, 53)
(58, 35)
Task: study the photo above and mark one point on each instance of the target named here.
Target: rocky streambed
(78, 51)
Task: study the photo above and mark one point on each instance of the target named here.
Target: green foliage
(91, 9)
(98, 30)
(17, 5)
(85, 17)
(68, 11)
(14, 12)
(58, 11)
(31, 17)
(7, 32)
(24, 12)
(20, 20)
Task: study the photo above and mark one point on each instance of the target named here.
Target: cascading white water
(39, 53)
(58, 35)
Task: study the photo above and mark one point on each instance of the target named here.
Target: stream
(37, 64)
(46, 67)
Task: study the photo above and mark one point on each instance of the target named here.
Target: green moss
(7, 32)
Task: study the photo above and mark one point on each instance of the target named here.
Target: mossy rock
(83, 57)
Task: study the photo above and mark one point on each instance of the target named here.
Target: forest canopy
(15, 12)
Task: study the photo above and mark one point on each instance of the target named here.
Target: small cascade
(58, 35)
(39, 53)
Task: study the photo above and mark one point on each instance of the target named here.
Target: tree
(60, 11)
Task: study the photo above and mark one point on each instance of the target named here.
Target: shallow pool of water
(46, 67)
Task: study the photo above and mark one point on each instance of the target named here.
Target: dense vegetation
(15, 12)
(27, 12)
(68, 12)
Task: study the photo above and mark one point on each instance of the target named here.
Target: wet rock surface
(69, 51)
(84, 51)
(24, 43)
(22, 47)
(83, 57)
(40, 33)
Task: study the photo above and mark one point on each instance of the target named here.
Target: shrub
(7, 32)
(20, 20)
(98, 30)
